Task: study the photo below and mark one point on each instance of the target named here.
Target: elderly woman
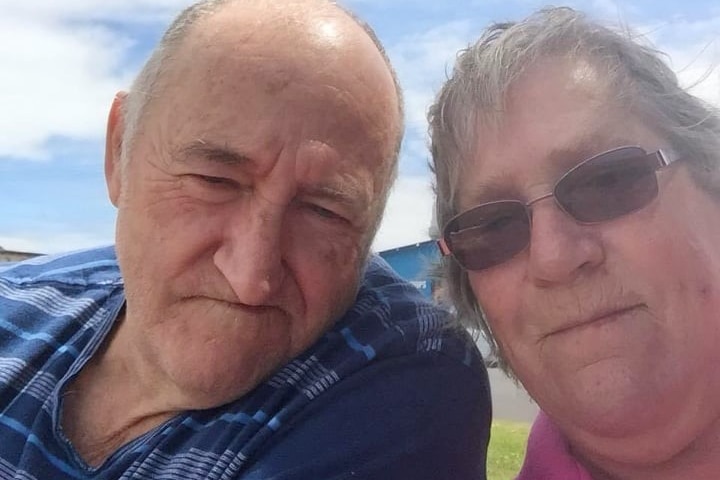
(578, 192)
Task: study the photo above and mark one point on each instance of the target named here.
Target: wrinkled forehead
(299, 58)
(324, 50)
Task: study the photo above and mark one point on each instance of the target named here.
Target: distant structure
(415, 262)
(13, 256)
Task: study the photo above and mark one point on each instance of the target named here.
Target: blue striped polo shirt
(393, 390)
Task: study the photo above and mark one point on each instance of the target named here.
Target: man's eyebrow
(347, 192)
(213, 152)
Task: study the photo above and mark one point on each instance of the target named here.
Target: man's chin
(202, 384)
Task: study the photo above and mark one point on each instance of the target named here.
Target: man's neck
(106, 405)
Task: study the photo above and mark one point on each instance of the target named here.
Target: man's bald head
(262, 15)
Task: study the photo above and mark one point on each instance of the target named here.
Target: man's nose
(251, 257)
(560, 248)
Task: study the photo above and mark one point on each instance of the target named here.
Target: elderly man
(578, 189)
(241, 331)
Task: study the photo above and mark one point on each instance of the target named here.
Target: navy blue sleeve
(419, 417)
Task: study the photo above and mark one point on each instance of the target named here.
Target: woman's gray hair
(472, 100)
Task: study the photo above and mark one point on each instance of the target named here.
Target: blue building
(414, 262)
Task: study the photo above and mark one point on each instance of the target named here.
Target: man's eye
(323, 212)
(217, 180)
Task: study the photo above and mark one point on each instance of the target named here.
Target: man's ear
(113, 148)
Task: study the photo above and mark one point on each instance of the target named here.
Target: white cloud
(702, 78)
(56, 243)
(697, 66)
(422, 61)
(59, 77)
(408, 215)
(87, 10)
(61, 65)
(693, 48)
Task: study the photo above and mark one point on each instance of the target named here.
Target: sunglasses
(601, 188)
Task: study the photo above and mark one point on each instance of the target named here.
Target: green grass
(507, 449)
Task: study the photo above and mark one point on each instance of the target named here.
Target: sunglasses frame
(663, 156)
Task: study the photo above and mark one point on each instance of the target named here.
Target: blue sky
(62, 62)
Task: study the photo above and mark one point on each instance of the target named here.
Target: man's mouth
(235, 305)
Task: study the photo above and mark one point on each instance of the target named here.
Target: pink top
(547, 456)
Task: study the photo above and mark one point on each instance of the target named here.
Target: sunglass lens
(489, 234)
(609, 185)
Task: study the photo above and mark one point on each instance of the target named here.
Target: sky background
(62, 62)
